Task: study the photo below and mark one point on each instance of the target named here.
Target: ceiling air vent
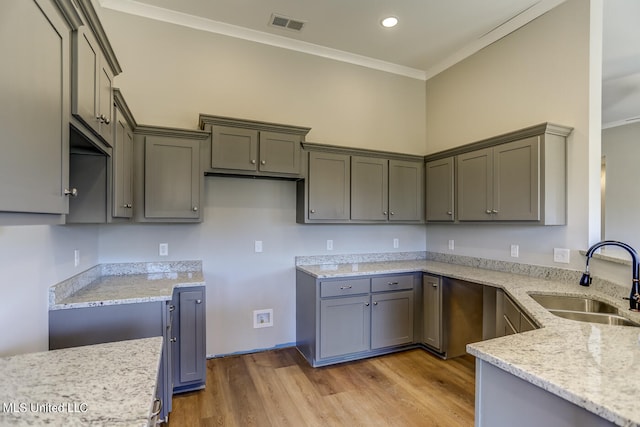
(286, 23)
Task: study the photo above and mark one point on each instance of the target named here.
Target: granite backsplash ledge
(70, 286)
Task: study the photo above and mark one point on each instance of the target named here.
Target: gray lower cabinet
(189, 340)
(168, 178)
(34, 168)
(432, 311)
(351, 318)
(440, 190)
(510, 318)
(100, 324)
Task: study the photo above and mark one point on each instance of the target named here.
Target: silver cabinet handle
(73, 192)
(392, 284)
(263, 162)
(435, 285)
(129, 205)
(488, 211)
(391, 213)
(157, 407)
(312, 211)
(195, 209)
(198, 301)
(345, 287)
(494, 211)
(103, 119)
(174, 339)
(172, 308)
(375, 303)
(366, 304)
(384, 213)
(253, 162)
(449, 213)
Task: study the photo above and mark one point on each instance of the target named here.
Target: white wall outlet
(257, 246)
(263, 318)
(515, 251)
(561, 255)
(163, 249)
(329, 245)
(396, 243)
(451, 245)
(76, 258)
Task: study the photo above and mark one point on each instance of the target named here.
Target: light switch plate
(329, 245)
(451, 245)
(258, 246)
(163, 249)
(396, 243)
(515, 251)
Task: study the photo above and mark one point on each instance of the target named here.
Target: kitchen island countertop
(588, 364)
(82, 386)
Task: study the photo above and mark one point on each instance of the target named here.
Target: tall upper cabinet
(516, 177)
(34, 169)
(122, 159)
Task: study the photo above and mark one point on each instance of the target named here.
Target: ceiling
(431, 35)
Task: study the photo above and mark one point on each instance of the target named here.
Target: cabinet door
(34, 114)
(329, 186)
(172, 178)
(406, 190)
(432, 311)
(369, 188)
(85, 77)
(475, 185)
(234, 148)
(190, 361)
(279, 153)
(440, 185)
(391, 319)
(104, 102)
(122, 162)
(344, 326)
(516, 178)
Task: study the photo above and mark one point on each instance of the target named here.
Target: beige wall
(537, 74)
(173, 73)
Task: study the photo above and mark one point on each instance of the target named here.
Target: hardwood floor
(279, 388)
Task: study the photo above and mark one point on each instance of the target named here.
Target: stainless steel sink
(582, 309)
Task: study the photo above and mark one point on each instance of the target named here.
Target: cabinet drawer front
(392, 283)
(344, 287)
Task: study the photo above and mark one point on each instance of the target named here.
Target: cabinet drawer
(392, 283)
(344, 287)
(512, 313)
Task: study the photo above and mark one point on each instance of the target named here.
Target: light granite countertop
(82, 386)
(110, 284)
(591, 365)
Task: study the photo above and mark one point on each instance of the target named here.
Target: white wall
(32, 258)
(537, 74)
(236, 213)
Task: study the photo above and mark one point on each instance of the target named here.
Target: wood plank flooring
(279, 388)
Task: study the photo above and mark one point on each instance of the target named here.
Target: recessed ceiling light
(389, 22)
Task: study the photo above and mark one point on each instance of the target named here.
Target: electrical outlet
(451, 245)
(561, 255)
(396, 243)
(329, 245)
(163, 249)
(515, 251)
(76, 258)
(263, 318)
(257, 246)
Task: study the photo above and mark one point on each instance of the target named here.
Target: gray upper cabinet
(94, 68)
(328, 191)
(169, 181)
(369, 188)
(122, 159)
(406, 190)
(246, 147)
(517, 177)
(440, 190)
(34, 85)
(346, 185)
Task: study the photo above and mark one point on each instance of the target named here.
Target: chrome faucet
(634, 295)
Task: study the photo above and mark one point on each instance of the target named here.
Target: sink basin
(582, 309)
